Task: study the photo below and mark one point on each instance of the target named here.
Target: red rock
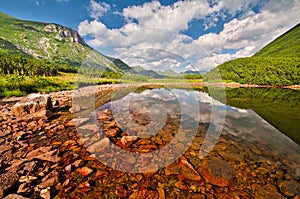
(85, 171)
(99, 146)
(289, 187)
(144, 194)
(181, 185)
(217, 172)
(49, 180)
(111, 133)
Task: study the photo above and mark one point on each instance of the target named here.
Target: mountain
(287, 45)
(277, 64)
(52, 42)
(148, 73)
(168, 73)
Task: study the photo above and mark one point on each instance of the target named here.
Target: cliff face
(65, 32)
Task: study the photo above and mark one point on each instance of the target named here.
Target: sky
(162, 35)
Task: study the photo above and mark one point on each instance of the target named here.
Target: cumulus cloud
(98, 9)
(155, 26)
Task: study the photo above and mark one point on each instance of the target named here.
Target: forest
(258, 70)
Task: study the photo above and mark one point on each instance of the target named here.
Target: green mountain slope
(52, 42)
(168, 73)
(287, 45)
(276, 64)
(148, 73)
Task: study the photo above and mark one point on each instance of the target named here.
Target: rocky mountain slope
(53, 42)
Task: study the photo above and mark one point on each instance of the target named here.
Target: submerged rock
(217, 172)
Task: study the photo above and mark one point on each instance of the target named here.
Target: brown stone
(144, 194)
(181, 185)
(99, 146)
(32, 104)
(289, 187)
(7, 180)
(267, 192)
(85, 171)
(172, 169)
(15, 196)
(49, 180)
(217, 172)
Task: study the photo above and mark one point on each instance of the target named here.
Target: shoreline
(98, 89)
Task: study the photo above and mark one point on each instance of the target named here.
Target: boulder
(33, 104)
(217, 172)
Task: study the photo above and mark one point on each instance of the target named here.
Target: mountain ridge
(276, 64)
(50, 41)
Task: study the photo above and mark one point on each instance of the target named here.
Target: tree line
(259, 70)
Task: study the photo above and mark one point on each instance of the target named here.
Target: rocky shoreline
(42, 155)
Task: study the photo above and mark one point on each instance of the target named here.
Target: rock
(99, 146)
(217, 172)
(68, 168)
(187, 171)
(89, 128)
(161, 193)
(78, 163)
(49, 180)
(77, 122)
(181, 185)
(127, 140)
(8, 179)
(37, 152)
(111, 133)
(75, 109)
(289, 187)
(15, 196)
(45, 193)
(27, 179)
(267, 192)
(32, 104)
(45, 154)
(172, 169)
(144, 194)
(85, 171)
(23, 188)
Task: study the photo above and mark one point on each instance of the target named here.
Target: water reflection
(173, 134)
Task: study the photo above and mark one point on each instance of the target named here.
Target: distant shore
(100, 88)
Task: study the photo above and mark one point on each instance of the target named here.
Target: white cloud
(98, 9)
(155, 26)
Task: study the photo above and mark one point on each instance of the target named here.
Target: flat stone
(49, 180)
(8, 179)
(37, 152)
(49, 156)
(85, 171)
(32, 104)
(144, 194)
(15, 196)
(267, 192)
(289, 187)
(217, 172)
(181, 185)
(99, 146)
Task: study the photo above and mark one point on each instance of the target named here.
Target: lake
(169, 142)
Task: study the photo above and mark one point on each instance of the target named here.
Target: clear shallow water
(185, 142)
(149, 114)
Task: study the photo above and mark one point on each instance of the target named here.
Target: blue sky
(159, 35)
